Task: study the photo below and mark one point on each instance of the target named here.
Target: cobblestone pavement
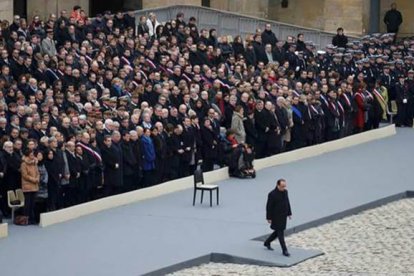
(379, 241)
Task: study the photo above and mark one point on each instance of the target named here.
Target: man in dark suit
(277, 211)
(393, 19)
(75, 169)
(111, 158)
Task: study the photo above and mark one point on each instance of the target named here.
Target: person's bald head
(85, 138)
(70, 146)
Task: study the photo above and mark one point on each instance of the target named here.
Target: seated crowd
(97, 107)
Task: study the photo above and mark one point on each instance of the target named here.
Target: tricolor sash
(297, 112)
(96, 155)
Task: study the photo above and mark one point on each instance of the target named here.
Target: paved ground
(163, 231)
(379, 241)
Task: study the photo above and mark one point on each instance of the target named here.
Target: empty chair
(392, 111)
(15, 200)
(199, 185)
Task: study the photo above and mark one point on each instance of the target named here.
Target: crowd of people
(97, 107)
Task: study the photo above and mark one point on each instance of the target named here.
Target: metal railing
(229, 23)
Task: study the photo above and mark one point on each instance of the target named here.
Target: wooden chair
(199, 185)
(12, 198)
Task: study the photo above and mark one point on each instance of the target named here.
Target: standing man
(277, 211)
(340, 40)
(393, 19)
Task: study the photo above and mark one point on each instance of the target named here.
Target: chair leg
(211, 198)
(217, 191)
(194, 197)
(202, 195)
(13, 209)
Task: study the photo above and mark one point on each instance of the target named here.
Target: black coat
(129, 159)
(278, 209)
(175, 143)
(340, 41)
(238, 49)
(54, 172)
(75, 168)
(283, 118)
(261, 123)
(259, 51)
(188, 139)
(12, 178)
(210, 143)
(393, 20)
(112, 173)
(251, 133)
(136, 149)
(273, 138)
(269, 37)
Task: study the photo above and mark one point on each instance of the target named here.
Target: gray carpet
(149, 235)
(251, 253)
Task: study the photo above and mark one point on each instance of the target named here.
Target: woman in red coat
(359, 119)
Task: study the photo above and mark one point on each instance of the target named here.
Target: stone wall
(326, 15)
(257, 8)
(46, 7)
(148, 4)
(406, 7)
(6, 10)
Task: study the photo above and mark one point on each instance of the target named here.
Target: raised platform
(50, 218)
(247, 253)
(160, 232)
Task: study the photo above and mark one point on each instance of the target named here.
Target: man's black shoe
(286, 253)
(267, 245)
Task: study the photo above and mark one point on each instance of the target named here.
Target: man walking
(277, 211)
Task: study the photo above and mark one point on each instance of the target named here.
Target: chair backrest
(198, 176)
(20, 195)
(11, 196)
(394, 107)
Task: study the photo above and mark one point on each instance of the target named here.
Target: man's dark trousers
(280, 234)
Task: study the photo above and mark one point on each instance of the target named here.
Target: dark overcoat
(278, 209)
(110, 157)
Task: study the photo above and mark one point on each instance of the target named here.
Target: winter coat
(30, 175)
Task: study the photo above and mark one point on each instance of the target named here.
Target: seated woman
(239, 157)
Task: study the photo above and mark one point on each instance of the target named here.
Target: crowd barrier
(3, 230)
(319, 149)
(50, 218)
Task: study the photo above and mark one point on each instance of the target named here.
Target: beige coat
(30, 175)
(238, 127)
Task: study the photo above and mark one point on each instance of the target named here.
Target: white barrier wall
(319, 149)
(51, 218)
(3, 230)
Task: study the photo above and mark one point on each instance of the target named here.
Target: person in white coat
(152, 24)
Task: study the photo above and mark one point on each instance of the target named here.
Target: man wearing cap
(404, 98)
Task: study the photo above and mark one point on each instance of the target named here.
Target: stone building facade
(356, 16)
